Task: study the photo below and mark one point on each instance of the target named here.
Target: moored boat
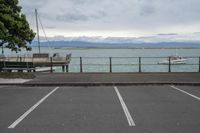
(174, 60)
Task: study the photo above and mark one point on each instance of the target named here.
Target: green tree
(15, 32)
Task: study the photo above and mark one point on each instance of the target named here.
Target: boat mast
(38, 36)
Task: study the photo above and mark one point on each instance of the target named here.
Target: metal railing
(133, 64)
(116, 64)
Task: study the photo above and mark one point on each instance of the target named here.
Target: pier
(30, 64)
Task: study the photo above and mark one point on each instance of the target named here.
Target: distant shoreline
(118, 47)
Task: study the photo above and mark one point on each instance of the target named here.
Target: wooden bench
(19, 66)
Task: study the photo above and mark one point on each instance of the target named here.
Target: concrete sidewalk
(11, 81)
(90, 79)
(79, 79)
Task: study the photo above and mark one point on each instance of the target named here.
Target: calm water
(121, 64)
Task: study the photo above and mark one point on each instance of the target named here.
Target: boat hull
(181, 61)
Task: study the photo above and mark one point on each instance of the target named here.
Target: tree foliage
(15, 32)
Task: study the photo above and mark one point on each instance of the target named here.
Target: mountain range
(157, 41)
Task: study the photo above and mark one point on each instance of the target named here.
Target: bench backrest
(16, 64)
(40, 55)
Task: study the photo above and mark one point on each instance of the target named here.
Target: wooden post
(27, 66)
(81, 65)
(110, 64)
(67, 68)
(169, 64)
(4, 63)
(51, 64)
(63, 69)
(140, 64)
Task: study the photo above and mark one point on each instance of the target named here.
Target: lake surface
(123, 60)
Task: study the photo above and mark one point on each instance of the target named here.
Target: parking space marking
(14, 124)
(124, 107)
(185, 92)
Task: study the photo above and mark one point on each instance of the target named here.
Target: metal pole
(38, 34)
(140, 64)
(110, 64)
(81, 65)
(169, 64)
(199, 63)
(51, 64)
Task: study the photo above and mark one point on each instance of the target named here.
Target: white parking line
(185, 92)
(128, 116)
(14, 124)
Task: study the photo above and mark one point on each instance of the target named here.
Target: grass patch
(16, 75)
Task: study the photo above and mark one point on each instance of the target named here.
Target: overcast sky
(121, 18)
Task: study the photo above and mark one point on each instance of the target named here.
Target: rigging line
(45, 34)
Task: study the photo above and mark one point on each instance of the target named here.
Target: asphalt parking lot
(103, 109)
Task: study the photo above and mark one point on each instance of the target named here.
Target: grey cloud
(135, 15)
(50, 27)
(72, 17)
(147, 8)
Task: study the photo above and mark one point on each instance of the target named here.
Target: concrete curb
(100, 84)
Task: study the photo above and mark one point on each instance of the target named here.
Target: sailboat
(36, 62)
(41, 58)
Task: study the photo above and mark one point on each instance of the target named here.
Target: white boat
(174, 60)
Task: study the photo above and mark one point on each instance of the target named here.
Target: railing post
(81, 65)
(140, 64)
(199, 63)
(51, 64)
(110, 64)
(169, 64)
